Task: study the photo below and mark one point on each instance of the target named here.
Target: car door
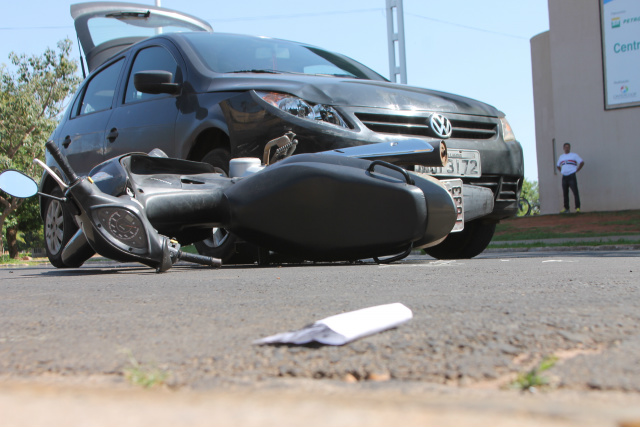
(143, 121)
(82, 138)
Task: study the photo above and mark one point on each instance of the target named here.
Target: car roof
(107, 28)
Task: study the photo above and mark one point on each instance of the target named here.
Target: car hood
(356, 93)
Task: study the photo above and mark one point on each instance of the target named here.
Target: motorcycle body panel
(324, 207)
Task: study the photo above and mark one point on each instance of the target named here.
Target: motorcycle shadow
(94, 270)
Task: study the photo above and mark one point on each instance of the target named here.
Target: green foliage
(31, 99)
(530, 191)
(531, 194)
(531, 379)
(31, 239)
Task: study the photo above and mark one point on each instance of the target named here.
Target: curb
(601, 248)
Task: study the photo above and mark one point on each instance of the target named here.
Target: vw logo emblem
(440, 125)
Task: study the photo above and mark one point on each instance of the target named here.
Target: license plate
(461, 163)
(454, 187)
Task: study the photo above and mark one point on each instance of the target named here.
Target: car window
(98, 95)
(154, 58)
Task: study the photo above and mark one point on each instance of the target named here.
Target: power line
(304, 15)
(36, 28)
(250, 18)
(468, 27)
(298, 15)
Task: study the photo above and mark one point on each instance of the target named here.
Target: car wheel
(59, 228)
(218, 158)
(468, 243)
(222, 244)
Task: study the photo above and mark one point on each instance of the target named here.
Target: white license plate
(461, 163)
(454, 187)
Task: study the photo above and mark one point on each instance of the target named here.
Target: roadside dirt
(571, 225)
(98, 401)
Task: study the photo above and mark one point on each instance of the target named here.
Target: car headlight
(300, 108)
(507, 132)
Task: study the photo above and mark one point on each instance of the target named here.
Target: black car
(162, 79)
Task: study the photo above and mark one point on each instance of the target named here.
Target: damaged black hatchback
(162, 79)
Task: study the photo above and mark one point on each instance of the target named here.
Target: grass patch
(532, 379)
(6, 261)
(622, 222)
(508, 245)
(513, 233)
(542, 234)
(145, 375)
(590, 224)
(189, 248)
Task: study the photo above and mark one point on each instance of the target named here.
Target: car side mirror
(18, 184)
(156, 81)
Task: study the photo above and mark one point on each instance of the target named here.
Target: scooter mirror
(18, 184)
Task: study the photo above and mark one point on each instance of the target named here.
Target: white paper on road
(343, 328)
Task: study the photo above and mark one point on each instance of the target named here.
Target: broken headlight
(301, 108)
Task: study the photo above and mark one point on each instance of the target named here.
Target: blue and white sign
(621, 52)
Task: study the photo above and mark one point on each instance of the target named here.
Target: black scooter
(339, 205)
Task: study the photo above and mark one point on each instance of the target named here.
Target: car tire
(218, 158)
(222, 244)
(470, 242)
(59, 228)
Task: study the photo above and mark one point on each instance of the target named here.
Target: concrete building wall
(568, 88)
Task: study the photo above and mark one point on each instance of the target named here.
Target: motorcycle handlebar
(62, 161)
(199, 259)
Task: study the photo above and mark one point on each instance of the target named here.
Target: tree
(26, 219)
(31, 98)
(531, 194)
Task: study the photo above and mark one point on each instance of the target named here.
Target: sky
(478, 49)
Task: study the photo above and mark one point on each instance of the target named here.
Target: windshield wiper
(349, 76)
(256, 71)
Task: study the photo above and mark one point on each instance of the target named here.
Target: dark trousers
(570, 182)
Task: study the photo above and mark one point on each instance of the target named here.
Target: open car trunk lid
(106, 28)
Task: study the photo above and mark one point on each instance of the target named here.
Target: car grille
(504, 188)
(418, 125)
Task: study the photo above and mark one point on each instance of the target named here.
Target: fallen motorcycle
(341, 205)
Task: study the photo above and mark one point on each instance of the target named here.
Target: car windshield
(230, 53)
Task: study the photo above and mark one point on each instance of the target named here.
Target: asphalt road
(477, 323)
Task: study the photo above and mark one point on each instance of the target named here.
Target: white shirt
(569, 163)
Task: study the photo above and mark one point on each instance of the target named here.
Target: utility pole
(159, 29)
(395, 40)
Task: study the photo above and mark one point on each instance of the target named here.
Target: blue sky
(478, 49)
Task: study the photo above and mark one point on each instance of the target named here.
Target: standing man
(569, 164)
